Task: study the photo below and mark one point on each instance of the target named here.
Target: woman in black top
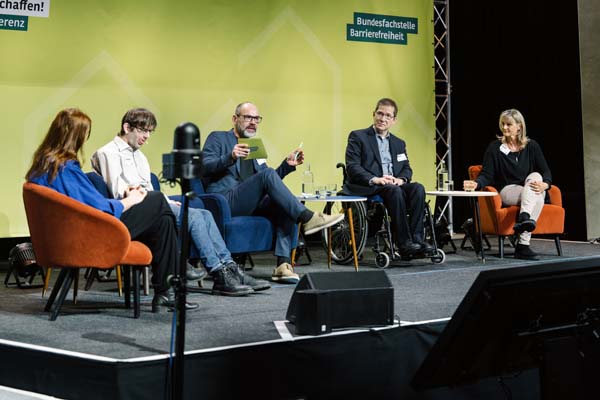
(516, 167)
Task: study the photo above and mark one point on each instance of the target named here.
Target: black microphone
(185, 161)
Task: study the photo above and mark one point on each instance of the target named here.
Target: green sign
(381, 28)
(13, 22)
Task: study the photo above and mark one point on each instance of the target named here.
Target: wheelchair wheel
(341, 242)
(439, 257)
(382, 260)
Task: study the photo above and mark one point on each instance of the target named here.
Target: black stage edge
(371, 364)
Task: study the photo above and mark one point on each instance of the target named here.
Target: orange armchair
(70, 235)
(498, 220)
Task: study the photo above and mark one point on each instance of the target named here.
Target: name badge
(261, 161)
(401, 157)
(504, 149)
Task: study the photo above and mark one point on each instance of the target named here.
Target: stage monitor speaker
(324, 301)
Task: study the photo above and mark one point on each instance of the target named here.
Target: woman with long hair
(515, 165)
(146, 215)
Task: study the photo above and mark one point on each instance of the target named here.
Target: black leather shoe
(167, 300)
(194, 274)
(524, 252)
(409, 248)
(425, 248)
(527, 225)
(245, 279)
(226, 283)
(524, 223)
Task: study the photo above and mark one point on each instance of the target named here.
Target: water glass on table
(469, 186)
(323, 191)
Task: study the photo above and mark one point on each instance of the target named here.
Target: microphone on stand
(185, 161)
(182, 164)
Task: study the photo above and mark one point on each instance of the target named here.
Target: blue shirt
(383, 143)
(71, 181)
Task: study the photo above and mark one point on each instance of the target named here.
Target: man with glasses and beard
(252, 188)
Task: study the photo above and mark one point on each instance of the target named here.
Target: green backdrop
(195, 60)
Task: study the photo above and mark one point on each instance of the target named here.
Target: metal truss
(443, 133)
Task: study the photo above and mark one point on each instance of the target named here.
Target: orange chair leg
(46, 281)
(297, 241)
(352, 238)
(119, 280)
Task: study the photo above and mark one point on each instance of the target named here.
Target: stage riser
(370, 365)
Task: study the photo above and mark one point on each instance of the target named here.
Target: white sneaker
(321, 221)
(284, 273)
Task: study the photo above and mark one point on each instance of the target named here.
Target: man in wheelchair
(377, 164)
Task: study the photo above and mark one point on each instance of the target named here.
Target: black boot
(166, 299)
(409, 248)
(524, 252)
(227, 284)
(245, 279)
(425, 248)
(524, 223)
(195, 274)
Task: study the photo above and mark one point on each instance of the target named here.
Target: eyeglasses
(142, 130)
(253, 118)
(383, 115)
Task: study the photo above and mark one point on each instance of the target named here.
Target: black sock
(281, 260)
(305, 216)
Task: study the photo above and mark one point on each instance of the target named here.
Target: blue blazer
(221, 172)
(363, 161)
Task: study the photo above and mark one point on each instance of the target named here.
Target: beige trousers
(530, 201)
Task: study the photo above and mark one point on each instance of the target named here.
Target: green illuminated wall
(195, 60)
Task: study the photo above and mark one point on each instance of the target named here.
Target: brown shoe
(321, 221)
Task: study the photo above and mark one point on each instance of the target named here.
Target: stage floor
(99, 325)
(97, 350)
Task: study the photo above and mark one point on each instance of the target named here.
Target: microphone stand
(179, 285)
(184, 163)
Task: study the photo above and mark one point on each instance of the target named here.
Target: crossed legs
(264, 193)
(529, 201)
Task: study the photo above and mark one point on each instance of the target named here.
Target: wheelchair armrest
(344, 172)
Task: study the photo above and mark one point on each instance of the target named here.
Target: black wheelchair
(371, 219)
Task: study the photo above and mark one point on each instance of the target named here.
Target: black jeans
(152, 223)
(406, 206)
